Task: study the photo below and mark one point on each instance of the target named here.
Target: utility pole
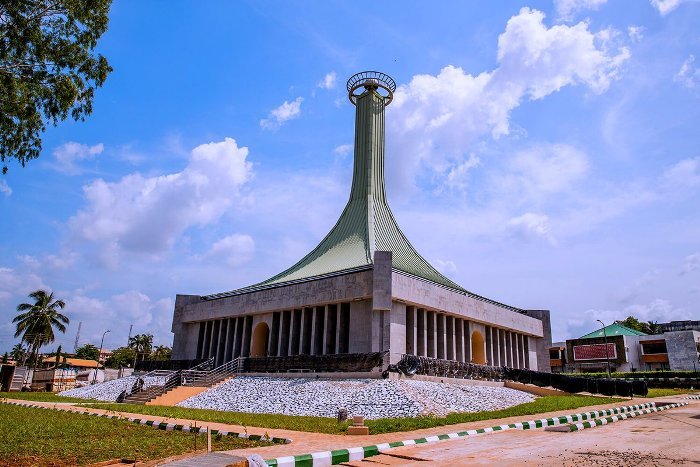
(607, 352)
(128, 341)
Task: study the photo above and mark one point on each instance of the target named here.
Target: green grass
(663, 392)
(41, 397)
(384, 425)
(538, 406)
(41, 437)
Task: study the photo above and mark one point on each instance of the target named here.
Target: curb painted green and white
(161, 426)
(325, 458)
(623, 416)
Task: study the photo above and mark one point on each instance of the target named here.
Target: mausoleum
(363, 289)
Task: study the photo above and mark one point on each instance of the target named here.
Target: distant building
(628, 350)
(680, 326)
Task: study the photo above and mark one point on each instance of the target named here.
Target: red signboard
(594, 352)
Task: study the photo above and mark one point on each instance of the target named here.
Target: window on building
(654, 348)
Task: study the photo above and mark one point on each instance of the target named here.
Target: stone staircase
(176, 395)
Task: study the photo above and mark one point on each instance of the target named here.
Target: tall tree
(142, 345)
(161, 352)
(58, 356)
(121, 357)
(49, 69)
(5, 357)
(36, 321)
(88, 352)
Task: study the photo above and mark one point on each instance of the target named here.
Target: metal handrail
(209, 378)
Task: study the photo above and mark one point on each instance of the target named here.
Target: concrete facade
(375, 310)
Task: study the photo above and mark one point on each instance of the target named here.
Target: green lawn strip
(41, 397)
(49, 437)
(540, 405)
(383, 425)
(285, 422)
(664, 392)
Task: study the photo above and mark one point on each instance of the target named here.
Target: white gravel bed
(371, 398)
(110, 390)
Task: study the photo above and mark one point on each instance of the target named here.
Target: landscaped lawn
(385, 425)
(662, 392)
(44, 437)
(40, 397)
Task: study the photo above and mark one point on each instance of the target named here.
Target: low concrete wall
(442, 379)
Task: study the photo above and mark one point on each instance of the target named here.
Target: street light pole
(607, 352)
(94, 380)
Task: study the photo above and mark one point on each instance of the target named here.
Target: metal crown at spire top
(371, 80)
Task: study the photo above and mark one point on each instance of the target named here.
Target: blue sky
(544, 154)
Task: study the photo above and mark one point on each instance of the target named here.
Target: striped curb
(325, 458)
(624, 416)
(692, 397)
(161, 426)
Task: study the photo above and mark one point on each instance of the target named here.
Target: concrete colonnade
(439, 335)
(318, 330)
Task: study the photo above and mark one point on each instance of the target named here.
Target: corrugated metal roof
(367, 223)
(614, 329)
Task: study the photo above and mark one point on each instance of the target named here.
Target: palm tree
(161, 352)
(18, 352)
(142, 345)
(36, 321)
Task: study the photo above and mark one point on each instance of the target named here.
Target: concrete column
(450, 329)
(422, 333)
(432, 333)
(331, 330)
(364, 325)
(226, 338)
(411, 328)
(488, 334)
(514, 348)
(441, 345)
(467, 341)
(459, 339)
(283, 342)
(395, 331)
(305, 331)
(324, 345)
(519, 348)
(526, 351)
(509, 348)
(212, 339)
(338, 323)
(205, 341)
(295, 334)
(314, 330)
(247, 328)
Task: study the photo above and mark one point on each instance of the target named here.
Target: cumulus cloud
(146, 214)
(5, 188)
(14, 282)
(436, 119)
(328, 81)
(692, 262)
(636, 33)
(234, 250)
(343, 150)
(543, 169)
(458, 174)
(282, 114)
(689, 74)
(664, 7)
(531, 225)
(445, 266)
(69, 154)
(567, 8)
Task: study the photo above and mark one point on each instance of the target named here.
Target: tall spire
(366, 224)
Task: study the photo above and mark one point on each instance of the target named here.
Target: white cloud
(435, 119)
(543, 169)
(665, 6)
(635, 289)
(458, 174)
(343, 150)
(235, 249)
(282, 114)
(5, 188)
(15, 282)
(328, 81)
(567, 8)
(445, 266)
(689, 74)
(683, 174)
(531, 225)
(146, 214)
(635, 33)
(68, 154)
(692, 263)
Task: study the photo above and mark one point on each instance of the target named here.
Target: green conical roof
(366, 224)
